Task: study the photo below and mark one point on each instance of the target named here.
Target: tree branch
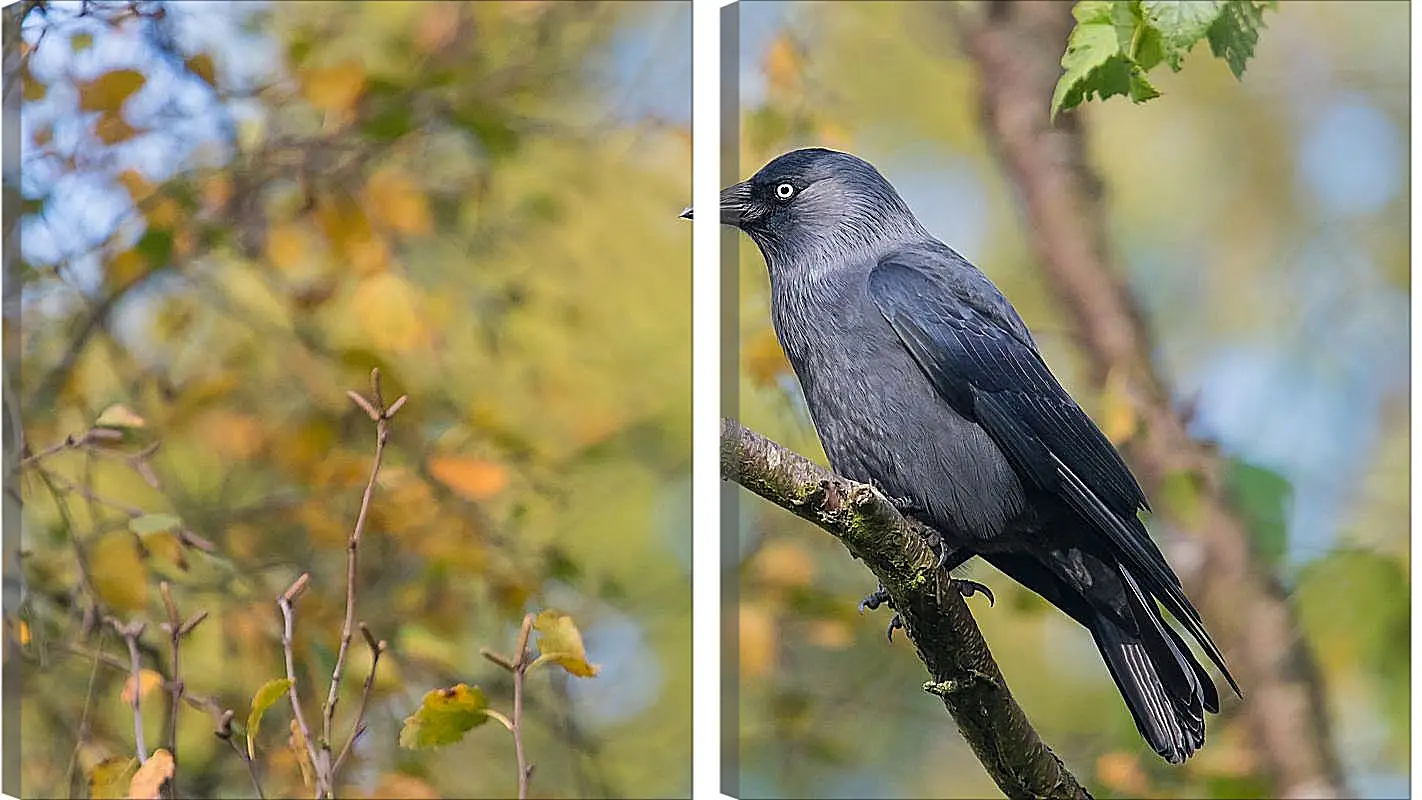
(1016, 46)
(288, 614)
(934, 614)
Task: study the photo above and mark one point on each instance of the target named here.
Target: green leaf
(271, 691)
(444, 716)
(1262, 497)
(153, 523)
(560, 642)
(1180, 496)
(1180, 24)
(1235, 33)
(1091, 46)
(156, 245)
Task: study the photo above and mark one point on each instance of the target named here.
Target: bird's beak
(735, 201)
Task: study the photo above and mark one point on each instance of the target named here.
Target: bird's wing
(975, 350)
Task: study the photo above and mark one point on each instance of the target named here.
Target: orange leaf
(397, 203)
(151, 776)
(148, 680)
(108, 91)
(757, 640)
(334, 89)
(472, 478)
(112, 128)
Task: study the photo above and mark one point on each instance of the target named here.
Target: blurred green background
(230, 213)
(1263, 227)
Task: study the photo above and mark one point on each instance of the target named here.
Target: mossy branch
(934, 615)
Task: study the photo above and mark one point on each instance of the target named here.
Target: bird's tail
(1163, 685)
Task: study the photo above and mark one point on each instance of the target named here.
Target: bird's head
(815, 201)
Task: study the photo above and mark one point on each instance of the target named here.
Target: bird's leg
(949, 560)
(876, 598)
(968, 588)
(895, 623)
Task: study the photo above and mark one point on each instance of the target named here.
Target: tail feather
(1163, 685)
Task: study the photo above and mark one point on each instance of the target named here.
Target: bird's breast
(880, 419)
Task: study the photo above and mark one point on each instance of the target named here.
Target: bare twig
(224, 732)
(380, 414)
(288, 615)
(176, 629)
(521, 664)
(358, 727)
(130, 633)
(934, 615)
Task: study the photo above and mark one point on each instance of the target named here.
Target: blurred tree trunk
(1017, 47)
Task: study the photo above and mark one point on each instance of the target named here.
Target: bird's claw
(874, 599)
(968, 588)
(897, 623)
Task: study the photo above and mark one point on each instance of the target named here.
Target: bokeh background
(231, 212)
(1263, 227)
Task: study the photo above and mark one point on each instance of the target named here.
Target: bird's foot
(874, 599)
(895, 624)
(968, 588)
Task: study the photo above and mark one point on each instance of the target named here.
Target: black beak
(735, 201)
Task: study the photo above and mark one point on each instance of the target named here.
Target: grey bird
(922, 380)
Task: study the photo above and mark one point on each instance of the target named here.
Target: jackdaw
(922, 380)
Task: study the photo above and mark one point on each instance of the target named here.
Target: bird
(922, 380)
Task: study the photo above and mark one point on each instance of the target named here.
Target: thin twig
(288, 614)
(358, 727)
(224, 732)
(521, 664)
(176, 629)
(376, 409)
(130, 634)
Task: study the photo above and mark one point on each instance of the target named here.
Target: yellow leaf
(562, 644)
(764, 361)
(23, 633)
(119, 415)
(108, 91)
(349, 230)
(216, 192)
(296, 743)
(32, 90)
(231, 434)
(784, 563)
(119, 575)
(757, 640)
(471, 478)
(399, 784)
(202, 66)
(782, 64)
(148, 680)
(388, 310)
(163, 213)
(151, 776)
(1122, 773)
(112, 128)
(334, 89)
(108, 779)
(1118, 411)
(831, 634)
(125, 268)
(397, 203)
(286, 246)
(139, 187)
